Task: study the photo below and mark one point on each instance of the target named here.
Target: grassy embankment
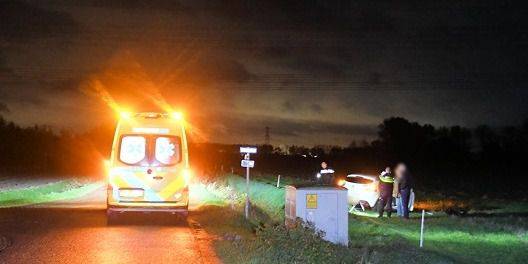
(483, 235)
(42, 193)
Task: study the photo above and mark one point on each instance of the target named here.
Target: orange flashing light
(177, 115)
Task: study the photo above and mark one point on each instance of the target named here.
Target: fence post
(278, 181)
(422, 229)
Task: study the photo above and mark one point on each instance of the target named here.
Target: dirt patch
(205, 242)
(4, 243)
(441, 205)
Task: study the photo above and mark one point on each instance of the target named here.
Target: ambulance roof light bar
(128, 115)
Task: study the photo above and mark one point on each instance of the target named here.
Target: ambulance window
(132, 149)
(167, 150)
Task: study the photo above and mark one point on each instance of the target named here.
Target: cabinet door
(326, 216)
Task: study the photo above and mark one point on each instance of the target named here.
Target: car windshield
(360, 180)
(154, 150)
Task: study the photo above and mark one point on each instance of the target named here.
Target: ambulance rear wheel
(112, 217)
(181, 217)
(184, 215)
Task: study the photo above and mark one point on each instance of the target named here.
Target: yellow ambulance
(149, 165)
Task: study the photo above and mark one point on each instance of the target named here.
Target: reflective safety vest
(386, 178)
(326, 171)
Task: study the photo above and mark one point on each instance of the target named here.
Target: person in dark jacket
(326, 174)
(386, 187)
(405, 184)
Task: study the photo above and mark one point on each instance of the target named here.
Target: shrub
(298, 244)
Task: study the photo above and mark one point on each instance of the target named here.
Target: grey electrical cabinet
(325, 207)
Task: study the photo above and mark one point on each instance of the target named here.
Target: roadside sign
(311, 201)
(251, 150)
(247, 163)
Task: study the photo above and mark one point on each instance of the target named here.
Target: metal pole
(422, 229)
(247, 191)
(278, 181)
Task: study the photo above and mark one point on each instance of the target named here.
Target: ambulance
(148, 170)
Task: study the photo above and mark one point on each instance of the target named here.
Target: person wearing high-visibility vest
(386, 187)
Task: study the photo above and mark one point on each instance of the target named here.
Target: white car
(363, 190)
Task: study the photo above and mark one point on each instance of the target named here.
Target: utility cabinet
(325, 207)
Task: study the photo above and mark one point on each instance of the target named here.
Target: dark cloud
(5, 72)
(318, 66)
(433, 45)
(23, 21)
(348, 63)
(374, 79)
(61, 85)
(316, 108)
(168, 5)
(299, 107)
(289, 106)
(210, 69)
(3, 108)
(292, 128)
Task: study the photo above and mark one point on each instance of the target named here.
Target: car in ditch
(363, 191)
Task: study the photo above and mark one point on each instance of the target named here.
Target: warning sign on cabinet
(311, 201)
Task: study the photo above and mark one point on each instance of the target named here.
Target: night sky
(316, 72)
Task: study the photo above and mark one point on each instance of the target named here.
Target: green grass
(447, 238)
(265, 197)
(60, 190)
(497, 235)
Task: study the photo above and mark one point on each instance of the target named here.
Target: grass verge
(487, 234)
(50, 192)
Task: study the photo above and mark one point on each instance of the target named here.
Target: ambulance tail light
(187, 175)
(112, 174)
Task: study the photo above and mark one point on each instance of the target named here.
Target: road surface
(77, 232)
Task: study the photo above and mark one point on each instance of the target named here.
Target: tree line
(449, 160)
(477, 161)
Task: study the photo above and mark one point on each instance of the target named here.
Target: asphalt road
(68, 233)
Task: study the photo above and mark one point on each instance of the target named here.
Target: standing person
(405, 184)
(386, 188)
(326, 174)
(396, 194)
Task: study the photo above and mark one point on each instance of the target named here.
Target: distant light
(176, 115)
(318, 175)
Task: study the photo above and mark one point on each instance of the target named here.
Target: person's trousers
(327, 179)
(405, 194)
(385, 204)
(399, 206)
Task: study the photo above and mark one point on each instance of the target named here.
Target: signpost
(247, 163)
